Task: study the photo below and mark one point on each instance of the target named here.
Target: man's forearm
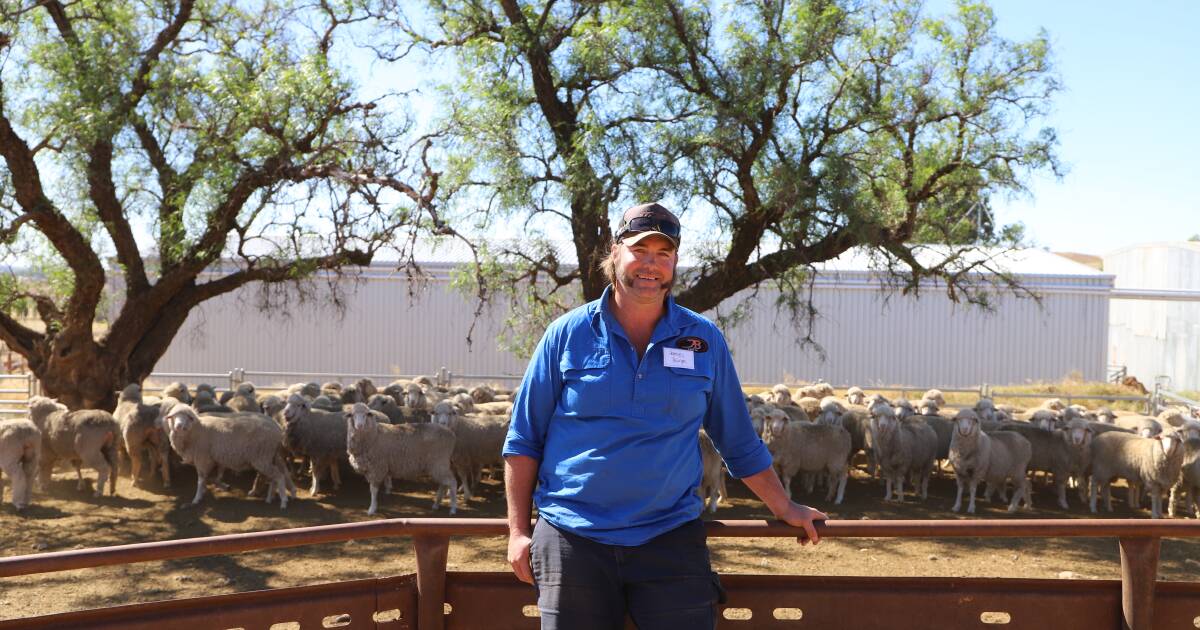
(769, 489)
(520, 474)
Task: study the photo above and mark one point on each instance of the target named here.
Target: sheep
(309, 390)
(1173, 417)
(1065, 452)
(237, 441)
(351, 395)
(463, 402)
(366, 387)
(318, 435)
(205, 403)
(935, 396)
(1144, 426)
(397, 390)
(178, 391)
(327, 403)
(205, 387)
(779, 395)
(817, 390)
(500, 408)
(332, 389)
(415, 397)
(272, 406)
(1151, 463)
(985, 408)
(20, 453)
(1188, 486)
(855, 395)
(810, 405)
(904, 409)
(1044, 419)
(87, 436)
(141, 432)
(478, 443)
(808, 447)
(902, 449)
(382, 451)
(244, 399)
(977, 456)
(712, 474)
(482, 394)
(388, 407)
(926, 407)
(1106, 415)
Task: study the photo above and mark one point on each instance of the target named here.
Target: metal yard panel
(1155, 338)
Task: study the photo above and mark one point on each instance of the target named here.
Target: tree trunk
(81, 374)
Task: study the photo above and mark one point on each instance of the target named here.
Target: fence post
(431, 581)
(1139, 570)
(443, 377)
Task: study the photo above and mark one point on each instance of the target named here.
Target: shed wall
(1153, 338)
(867, 340)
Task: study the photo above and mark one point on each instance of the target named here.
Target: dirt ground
(70, 519)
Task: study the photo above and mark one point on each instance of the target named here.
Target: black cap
(644, 220)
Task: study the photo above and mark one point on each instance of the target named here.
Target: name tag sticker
(676, 358)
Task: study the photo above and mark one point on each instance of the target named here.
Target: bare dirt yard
(69, 519)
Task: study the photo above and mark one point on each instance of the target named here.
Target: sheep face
(360, 424)
(180, 422)
(205, 387)
(928, 408)
(1078, 433)
(966, 422)
(774, 423)
(884, 420)
(41, 407)
(297, 407)
(1169, 443)
(757, 416)
(443, 413)
(855, 397)
(1189, 431)
(245, 389)
(1045, 419)
(414, 397)
(904, 409)
(132, 393)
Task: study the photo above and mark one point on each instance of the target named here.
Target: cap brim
(637, 237)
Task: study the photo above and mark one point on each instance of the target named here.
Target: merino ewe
(904, 409)
(382, 451)
(178, 391)
(903, 449)
(482, 394)
(994, 459)
(238, 441)
(141, 433)
(779, 395)
(87, 436)
(712, 474)
(351, 395)
(935, 395)
(810, 448)
(1106, 415)
(244, 399)
(327, 403)
(416, 398)
(498, 408)
(1065, 452)
(478, 441)
(1144, 426)
(366, 387)
(205, 403)
(20, 452)
(855, 395)
(810, 405)
(1151, 463)
(1186, 489)
(387, 406)
(332, 389)
(317, 435)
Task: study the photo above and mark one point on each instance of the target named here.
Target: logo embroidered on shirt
(695, 344)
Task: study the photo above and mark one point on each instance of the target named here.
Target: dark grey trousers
(666, 583)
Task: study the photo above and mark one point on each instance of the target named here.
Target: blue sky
(1128, 122)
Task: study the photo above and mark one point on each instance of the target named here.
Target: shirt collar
(668, 325)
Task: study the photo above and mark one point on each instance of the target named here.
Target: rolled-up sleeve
(728, 421)
(536, 400)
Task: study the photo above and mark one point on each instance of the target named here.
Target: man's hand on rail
(803, 516)
(518, 556)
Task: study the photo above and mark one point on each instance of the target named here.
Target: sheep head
(297, 407)
(179, 422)
(904, 409)
(359, 422)
(1054, 404)
(131, 393)
(1078, 433)
(482, 394)
(936, 396)
(1045, 419)
(966, 422)
(883, 418)
(414, 397)
(1106, 415)
(245, 389)
(205, 387)
(178, 391)
(774, 423)
(41, 408)
(443, 413)
(855, 396)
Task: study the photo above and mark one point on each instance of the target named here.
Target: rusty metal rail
(422, 607)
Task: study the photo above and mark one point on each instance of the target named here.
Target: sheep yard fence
(433, 598)
(15, 390)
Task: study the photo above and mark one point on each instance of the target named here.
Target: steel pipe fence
(432, 598)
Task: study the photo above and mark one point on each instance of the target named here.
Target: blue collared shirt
(616, 436)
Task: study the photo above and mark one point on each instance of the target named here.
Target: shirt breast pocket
(690, 391)
(587, 384)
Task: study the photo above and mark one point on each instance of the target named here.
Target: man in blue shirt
(606, 423)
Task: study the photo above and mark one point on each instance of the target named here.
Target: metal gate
(433, 598)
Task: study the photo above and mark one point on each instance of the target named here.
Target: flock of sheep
(407, 430)
(413, 430)
(818, 435)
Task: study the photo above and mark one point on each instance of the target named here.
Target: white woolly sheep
(204, 402)
(141, 433)
(1187, 488)
(317, 435)
(87, 436)
(903, 449)
(236, 441)
(478, 441)
(1106, 415)
(904, 409)
(20, 452)
(1065, 452)
(482, 394)
(244, 399)
(810, 405)
(497, 408)
(712, 474)
(779, 395)
(380, 451)
(1150, 463)
(1144, 426)
(366, 387)
(810, 448)
(855, 395)
(936, 396)
(994, 459)
(178, 391)
(326, 403)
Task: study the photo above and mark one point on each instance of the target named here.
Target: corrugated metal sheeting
(1155, 338)
(867, 340)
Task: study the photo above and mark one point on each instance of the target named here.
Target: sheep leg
(78, 474)
(841, 486)
(1107, 496)
(971, 505)
(335, 473)
(1171, 499)
(958, 496)
(200, 486)
(1018, 492)
(315, 471)
(1155, 501)
(96, 460)
(1061, 482)
(1093, 494)
(453, 494)
(374, 498)
(46, 473)
(887, 488)
(135, 464)
(900, 488)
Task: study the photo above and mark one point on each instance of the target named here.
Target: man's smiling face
(646, 269)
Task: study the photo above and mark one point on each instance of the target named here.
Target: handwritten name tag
(676, 358)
